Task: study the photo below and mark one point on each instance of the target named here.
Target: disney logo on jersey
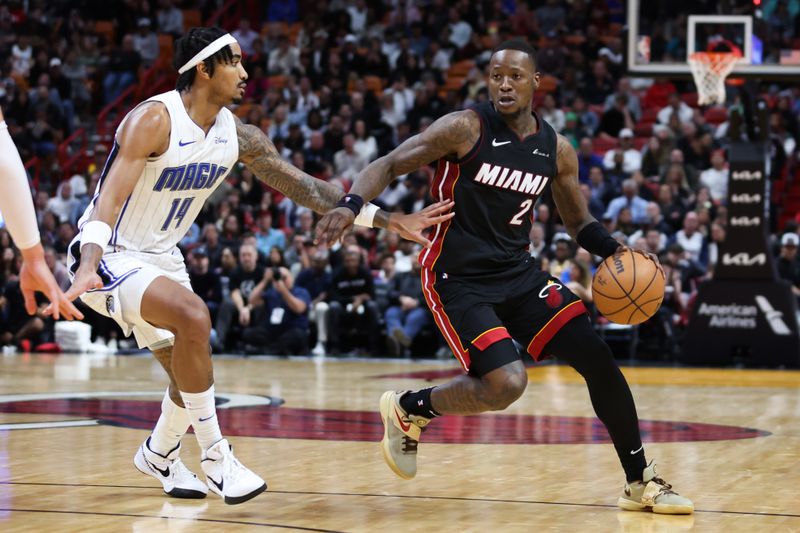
(187, 177)
(510, 179)
(220, 140)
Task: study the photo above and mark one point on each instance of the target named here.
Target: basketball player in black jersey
(494, 161)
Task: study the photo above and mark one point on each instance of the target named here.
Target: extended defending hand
(333, 225)
(410, 226)
(36, 276)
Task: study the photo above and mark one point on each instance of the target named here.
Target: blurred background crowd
(336, 84)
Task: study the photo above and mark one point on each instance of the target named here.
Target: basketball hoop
(709, 70)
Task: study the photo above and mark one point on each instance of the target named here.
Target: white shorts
(126, 276)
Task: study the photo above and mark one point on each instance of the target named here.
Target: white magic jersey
(172, 187)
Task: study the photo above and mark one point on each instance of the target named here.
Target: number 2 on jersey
(524, 206)
(177, 211)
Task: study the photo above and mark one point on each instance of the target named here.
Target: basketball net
(709, 70)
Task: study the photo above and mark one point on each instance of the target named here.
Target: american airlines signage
(743, 316)
(745, 198)
(744, 259)
(746, 175)
(745, 221)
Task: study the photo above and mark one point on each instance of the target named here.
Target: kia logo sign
(744, 259)
(745, 198)
(745, 221)
(746, 175)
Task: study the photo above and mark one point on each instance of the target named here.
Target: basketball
(628, 288)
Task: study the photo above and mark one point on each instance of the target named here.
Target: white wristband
(366, 216)
(96, 232)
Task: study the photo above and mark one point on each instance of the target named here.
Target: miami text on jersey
(515, 180)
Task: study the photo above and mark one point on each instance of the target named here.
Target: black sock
(578, 344)
(418, 403)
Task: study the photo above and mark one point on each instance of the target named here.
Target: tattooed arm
(452, 135)
(566, 191)
(262, 158)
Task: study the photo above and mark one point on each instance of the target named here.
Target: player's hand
(651, 256)
(84, 281)
(35, 276)
(410, 226)
(332, 226)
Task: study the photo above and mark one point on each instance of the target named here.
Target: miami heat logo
(551, 294)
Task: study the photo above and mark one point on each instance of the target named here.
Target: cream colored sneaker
(401, 433)
(653, 494)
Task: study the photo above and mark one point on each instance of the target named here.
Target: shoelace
(409, 445)
(231, 467)
(179, 470)
(665, 487)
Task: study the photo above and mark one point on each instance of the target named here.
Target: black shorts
(474, 312)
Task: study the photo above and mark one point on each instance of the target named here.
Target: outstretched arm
(262, 158)
(452, 135)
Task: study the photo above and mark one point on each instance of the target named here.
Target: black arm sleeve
(596, 240)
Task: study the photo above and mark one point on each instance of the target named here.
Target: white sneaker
(401, 433)
(318, 350)
(229, 478)
(653, 494)
(178, 481)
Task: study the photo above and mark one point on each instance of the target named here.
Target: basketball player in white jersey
(170, 153)
(16, 206)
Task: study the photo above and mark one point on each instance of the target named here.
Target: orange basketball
(628, 288)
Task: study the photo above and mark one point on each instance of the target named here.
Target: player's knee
(507, 387)
(195, 321)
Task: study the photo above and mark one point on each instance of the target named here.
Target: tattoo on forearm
(259, 154)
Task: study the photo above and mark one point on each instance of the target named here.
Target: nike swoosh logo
(495, 143)
(164, 473)
(181, 143)
(204, 419)
(403, 425)
(218, 485)
(637, 451)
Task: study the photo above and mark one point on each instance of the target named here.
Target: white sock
(203, 415)
(171, 426)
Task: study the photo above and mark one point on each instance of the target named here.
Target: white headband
(207, 52)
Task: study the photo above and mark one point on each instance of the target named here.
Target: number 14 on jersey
(178, 210)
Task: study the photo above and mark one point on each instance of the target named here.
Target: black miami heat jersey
(494, 187)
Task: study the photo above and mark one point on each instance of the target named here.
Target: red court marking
(290, 423)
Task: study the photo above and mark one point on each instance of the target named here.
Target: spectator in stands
(580, 281)
(631, 157)
(348, 161)
(205, 282)
(123, 67)
(552, 114)
(632, 100)
(788, 265)
(563, 253)
(460, 30)
(285, 59)
(245, 36)
(677, 107)
(596, 207)
(57, 267)
(716, 178)
(689, 272)
(630, 198)
(280, 315)
(552, 56)
(352, 306)
(407, 314)
(617, 118)
(599, 84)
(317, 281)
(145, 42)
(692, 240)
(715, 240)
(587, 159)
(235, 309)
(169, 18)
(63, 203)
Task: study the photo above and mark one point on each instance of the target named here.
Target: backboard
(661, 35)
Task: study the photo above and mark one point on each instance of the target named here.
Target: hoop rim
(711, 57)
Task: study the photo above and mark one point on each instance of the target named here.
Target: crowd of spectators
(652, 168)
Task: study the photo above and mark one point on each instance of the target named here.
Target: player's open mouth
(505, 100)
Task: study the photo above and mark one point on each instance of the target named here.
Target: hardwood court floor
(728, 439)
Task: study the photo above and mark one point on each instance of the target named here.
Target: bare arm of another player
(570, 201)
(452, 135)
(16, 206)
(144, 134)
(261, 157)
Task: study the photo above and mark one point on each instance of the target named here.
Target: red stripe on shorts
(441, 318)
(489, 337)
(549, 330)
